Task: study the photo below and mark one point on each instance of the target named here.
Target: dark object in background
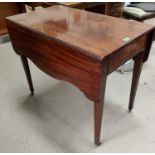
(148, 7)
(108, 8)
(135, 16)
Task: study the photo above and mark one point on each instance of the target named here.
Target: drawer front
(121, 56)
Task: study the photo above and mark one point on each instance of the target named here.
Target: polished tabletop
(96, 34)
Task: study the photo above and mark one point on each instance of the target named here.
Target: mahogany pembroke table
(80, 47)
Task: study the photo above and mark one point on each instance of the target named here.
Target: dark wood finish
(8, 9)
(150, 38)
(98, 106)
(138, 62)
(27, 72)
(80, 47)
(78, 5)
(81, 5)
(21, 7)
(114, 9)
(107, 8)
(126, 53)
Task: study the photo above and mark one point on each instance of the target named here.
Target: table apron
(119, 57)
(59, 61)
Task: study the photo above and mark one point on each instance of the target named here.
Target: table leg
(27, 72)
(98, 112)
(138, 62)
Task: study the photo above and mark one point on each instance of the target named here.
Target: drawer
(124, 54)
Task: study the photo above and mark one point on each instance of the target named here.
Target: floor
(59, 118)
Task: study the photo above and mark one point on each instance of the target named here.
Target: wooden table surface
(81, 29)
(82, 48)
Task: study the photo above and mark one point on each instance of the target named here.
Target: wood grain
(7, 9)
